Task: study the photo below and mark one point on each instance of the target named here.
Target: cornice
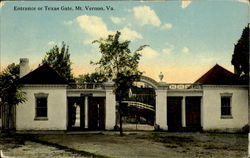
(226, 86)
(44, 85)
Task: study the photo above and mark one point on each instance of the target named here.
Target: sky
(185, 38)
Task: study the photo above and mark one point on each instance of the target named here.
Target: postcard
(124, 78)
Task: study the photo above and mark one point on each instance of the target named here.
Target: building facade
(217, 101)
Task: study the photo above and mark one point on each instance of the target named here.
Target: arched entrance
(140, 113)
(154, 84)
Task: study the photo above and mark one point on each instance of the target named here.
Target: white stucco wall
(110, 110)
(57, 109)
(161, 109)
(211, 107)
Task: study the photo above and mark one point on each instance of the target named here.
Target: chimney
(24, 67)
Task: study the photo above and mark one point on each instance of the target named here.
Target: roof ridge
(43, 74)
(225, 69)
(218, 75)
(56, 71)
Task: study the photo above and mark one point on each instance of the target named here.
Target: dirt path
(132, 145)
(160, 145)
(17, 147)
(114, 145)
(36, 150)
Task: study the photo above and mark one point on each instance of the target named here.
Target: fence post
(161, 106)
(110, 113)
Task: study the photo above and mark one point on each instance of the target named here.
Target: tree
(240, 58)
(10, 93)
(119, 64)
(95, 77)
(59, 59)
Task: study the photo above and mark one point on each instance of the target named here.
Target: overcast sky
(186, 39)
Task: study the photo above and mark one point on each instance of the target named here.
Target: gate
(139, 113)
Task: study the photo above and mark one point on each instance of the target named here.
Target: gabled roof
(43, 75)
(218, 75)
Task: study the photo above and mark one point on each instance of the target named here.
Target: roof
(218, 75)
(43, 75)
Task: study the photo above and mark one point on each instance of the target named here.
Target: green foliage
(119, 63)
(123, 82)
(59, 59)
(143, 95)
(240, 58)
(95, 77)
(10, 92)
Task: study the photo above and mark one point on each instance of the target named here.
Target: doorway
(174, 113)
(193, 112)
(76, 114)
(96, 113)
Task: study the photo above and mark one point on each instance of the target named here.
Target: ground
(132, 145)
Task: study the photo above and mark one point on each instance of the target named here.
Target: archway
(149, 81)
(140, 113)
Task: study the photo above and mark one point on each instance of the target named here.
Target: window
(41, 106)
(226, 106)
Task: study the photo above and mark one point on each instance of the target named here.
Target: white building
(53, 104)
(216, 101)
